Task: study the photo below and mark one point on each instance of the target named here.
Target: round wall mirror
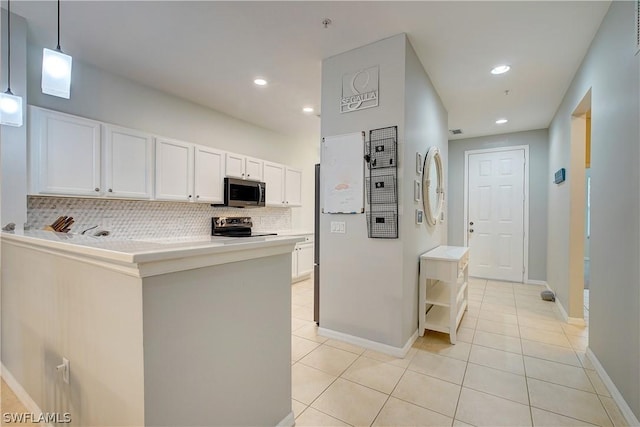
(432, 186)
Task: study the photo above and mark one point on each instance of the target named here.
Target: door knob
(471, 230)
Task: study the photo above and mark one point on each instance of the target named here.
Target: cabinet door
(128, 164)
(253, 169)
(274, 179)
(305, 259)
(68, 153)
(209, 175)
(174, 170)
(234, 165)
(293, 187)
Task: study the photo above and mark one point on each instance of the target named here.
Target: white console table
(444, 290)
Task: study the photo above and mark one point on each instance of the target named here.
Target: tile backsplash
(141, 219)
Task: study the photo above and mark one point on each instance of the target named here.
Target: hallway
(516, 363)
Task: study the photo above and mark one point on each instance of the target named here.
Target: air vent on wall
(459, 131)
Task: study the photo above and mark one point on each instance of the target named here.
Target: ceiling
(210, 52)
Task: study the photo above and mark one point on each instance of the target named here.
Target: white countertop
(175, 253)
(445, 253)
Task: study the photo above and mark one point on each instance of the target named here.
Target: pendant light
(56, 69)
(10, 104)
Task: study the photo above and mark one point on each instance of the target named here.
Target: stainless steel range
(237, 226)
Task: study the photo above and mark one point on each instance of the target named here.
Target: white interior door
(495, 218)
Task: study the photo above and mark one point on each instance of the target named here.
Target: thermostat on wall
(560, 176)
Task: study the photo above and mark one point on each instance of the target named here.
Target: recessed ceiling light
(501, 121)
(308, 109)
(500, 69)
(260, 82)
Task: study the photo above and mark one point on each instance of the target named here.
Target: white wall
(368, 287)
(100, 95)
(610, 69)
(13, 140)
(539, 178)
(425, 122)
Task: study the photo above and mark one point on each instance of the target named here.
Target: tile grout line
(526, 377)
(466, 366)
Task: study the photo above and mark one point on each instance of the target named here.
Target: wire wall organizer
(382, 189)
(381, 155)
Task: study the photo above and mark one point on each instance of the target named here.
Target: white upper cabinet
(209, 175)
(174, 170)
(243, 167)
(274, 180)
(74, 156)
(284, 185)
(234, 165)
(253, 169)
(128, 163)
(293, 187)
(64, 154)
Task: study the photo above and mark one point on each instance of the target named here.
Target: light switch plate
(338, 227)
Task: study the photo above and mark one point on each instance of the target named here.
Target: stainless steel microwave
(243, 193)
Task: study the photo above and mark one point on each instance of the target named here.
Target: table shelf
(444, 289)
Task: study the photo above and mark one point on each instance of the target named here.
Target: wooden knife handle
(58, 222)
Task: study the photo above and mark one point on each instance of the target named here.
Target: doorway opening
(579, 213)
(587, 231)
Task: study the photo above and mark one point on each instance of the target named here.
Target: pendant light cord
(8, 46)
(58, 48)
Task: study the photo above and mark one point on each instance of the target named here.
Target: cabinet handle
(471, 230)
(110, 190)
(96, 189)
(198, 196)
(189, 195)
(242, 174)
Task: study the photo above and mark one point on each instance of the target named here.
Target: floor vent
(459, 131)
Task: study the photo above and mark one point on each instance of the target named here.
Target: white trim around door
(525, 273)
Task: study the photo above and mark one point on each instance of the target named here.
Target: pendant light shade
(56, 73)
(56, 69)
(10, 109)
(10, 104)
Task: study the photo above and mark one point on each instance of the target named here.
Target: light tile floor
(10, 404)
(516, 364)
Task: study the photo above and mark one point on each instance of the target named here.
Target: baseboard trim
(570, 320)
(288, 421)
(400, 352)
(20, 392)
(627, 413)
(536, 282)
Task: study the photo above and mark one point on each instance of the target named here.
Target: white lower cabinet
(302, 259)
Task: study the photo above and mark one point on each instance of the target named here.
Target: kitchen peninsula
(192, 332)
